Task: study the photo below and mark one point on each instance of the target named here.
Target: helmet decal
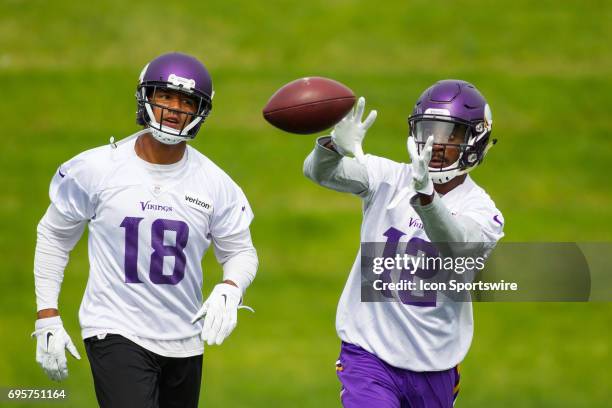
(181, 82)
(435, 111)
(142, 73)
(488, 117)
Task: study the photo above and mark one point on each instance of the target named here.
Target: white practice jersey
(149, 227)
(418, 337)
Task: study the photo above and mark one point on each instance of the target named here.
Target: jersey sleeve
(381, 171)
(483, 211)
(232, 213)
(72, 190)
(330, 169)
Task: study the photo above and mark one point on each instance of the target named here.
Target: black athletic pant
(129, 376)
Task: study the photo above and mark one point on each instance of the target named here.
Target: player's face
(448, 137)
(172, 108)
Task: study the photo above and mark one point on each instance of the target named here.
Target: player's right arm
(56, 237)
(328, 168)
(58, 232)
(338, 162)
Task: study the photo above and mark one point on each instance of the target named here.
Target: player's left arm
(238, 257)
(233, 246)
(471, 232)
(442, 226)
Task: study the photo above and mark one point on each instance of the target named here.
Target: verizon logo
(198, 202)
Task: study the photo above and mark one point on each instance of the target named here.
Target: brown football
(309, 105)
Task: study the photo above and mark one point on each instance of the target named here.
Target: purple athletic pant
(369, 382)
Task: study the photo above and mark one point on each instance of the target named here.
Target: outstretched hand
(349, 133)
(420, 166)
(421, 180)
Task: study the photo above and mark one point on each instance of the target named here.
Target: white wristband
(47, 321)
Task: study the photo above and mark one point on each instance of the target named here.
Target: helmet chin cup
(166, 138)
(443, 176)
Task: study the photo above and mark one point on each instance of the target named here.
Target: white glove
(421, 181)
(348, 134)
(420, 166)
(51, 340)
(220, 313)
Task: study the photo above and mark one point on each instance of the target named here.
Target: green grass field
(68, 74)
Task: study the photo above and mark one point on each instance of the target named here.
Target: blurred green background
(68, 72)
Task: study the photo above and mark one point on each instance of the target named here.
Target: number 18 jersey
(149, 227)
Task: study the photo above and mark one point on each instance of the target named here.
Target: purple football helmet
(458, 117)
(176, 72)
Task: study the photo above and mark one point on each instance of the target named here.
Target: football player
(405, 353)
(153, 206)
